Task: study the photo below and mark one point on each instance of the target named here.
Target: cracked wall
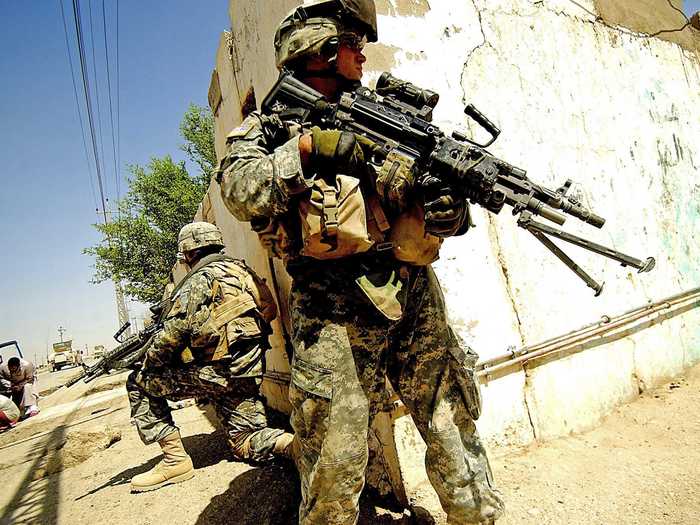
(577, 99)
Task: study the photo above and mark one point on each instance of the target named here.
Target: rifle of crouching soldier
(128, 354)
(397, 119)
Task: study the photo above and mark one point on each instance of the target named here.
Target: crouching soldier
(212, 346)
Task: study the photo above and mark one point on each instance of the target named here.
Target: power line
(77, 105)
(111, 115)
(86, 87)
(119, 136)
(97, 92)
(121, 306)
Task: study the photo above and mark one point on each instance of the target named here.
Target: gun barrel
(587, 216)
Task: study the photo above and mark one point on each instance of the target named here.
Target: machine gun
(397, 116)
(128, 354)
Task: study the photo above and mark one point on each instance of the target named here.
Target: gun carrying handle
(484, 122)
(121, 331)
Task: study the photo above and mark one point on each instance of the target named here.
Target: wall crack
(493, 236)
(475, 48)
(526, 388)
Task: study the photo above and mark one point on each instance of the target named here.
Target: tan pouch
(410, 242)
(334, 220)
(232, 320)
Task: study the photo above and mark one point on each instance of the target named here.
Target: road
(50, 381)
(73, 465)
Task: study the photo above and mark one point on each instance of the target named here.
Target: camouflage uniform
(344, 349)
(231, 384)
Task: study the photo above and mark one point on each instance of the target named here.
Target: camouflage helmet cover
(198, 235)
(304, 31)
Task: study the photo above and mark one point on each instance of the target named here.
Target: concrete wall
(658, 17)
(575, 98)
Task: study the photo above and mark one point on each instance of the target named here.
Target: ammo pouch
(410, 243)
(462, 365)
(334, 219)
(244, 311)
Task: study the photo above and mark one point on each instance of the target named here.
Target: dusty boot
(176, 466)
(286, 446)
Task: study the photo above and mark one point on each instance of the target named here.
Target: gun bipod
(540, 232)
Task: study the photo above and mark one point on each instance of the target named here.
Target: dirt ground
(72, 465)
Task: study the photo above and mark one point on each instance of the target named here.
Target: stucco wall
(662, 17)
(575, 98)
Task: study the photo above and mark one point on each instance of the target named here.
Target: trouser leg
(29, 398)
(151, 414)
(424, 374)
(330, 409)
(17, 399)
(242, 413)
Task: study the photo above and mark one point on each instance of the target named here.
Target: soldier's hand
(445, 212)
(335, 151)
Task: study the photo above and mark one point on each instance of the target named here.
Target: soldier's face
(349, 62)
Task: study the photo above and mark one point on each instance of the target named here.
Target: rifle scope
(406, 92)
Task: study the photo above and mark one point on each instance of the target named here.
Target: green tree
(139, 245)
(197, 128)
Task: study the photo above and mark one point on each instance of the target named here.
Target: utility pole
(60, 331)
(122, 312)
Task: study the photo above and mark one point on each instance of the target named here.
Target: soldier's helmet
(198, 235)
(307, 29)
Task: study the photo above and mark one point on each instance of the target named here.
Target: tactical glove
(445, 212)
(336, 151)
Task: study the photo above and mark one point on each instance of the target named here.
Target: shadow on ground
(266, 495)
(202, 448)
(269, 495)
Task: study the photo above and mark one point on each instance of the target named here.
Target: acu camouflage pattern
(232, 384)
(344, 348)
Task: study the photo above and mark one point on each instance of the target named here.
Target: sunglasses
(352, 41)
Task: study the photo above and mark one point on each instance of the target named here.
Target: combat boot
(176, 466)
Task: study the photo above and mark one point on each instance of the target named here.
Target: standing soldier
(212, 346)
(362, 308)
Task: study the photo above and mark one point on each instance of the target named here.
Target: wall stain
(381, 57)
(403, 7)
(416, 56)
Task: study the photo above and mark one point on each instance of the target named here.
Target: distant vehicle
(98, 351)
(62, 356)
(7, 350)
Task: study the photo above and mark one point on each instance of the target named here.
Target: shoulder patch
(241, 131)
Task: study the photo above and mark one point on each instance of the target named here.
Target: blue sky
(691, 7)
(47, 207)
